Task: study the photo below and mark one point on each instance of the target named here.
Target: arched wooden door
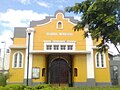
(59, 72)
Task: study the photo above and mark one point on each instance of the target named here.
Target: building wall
(16, 74)
(102, 74)
(79, 62)
(39, 61)
(19, 41)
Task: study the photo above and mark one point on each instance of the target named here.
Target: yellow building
(57, 55)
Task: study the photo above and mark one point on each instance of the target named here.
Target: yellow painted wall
(19, 41)
(16, 74)
(102, 74)
(40, 34)
(79, 62)
(40, 62)
(97, 42)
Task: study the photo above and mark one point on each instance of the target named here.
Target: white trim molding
(90, 59)
(17, 47)
(56, 17)
(30, 66)
(70, 52)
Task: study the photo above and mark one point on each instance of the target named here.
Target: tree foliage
(102, 17)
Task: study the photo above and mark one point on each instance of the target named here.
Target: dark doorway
(59, 72)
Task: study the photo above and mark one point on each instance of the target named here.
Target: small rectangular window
(75, 72)
(56, 47)
(63, 47)
(70, 47)
(43, 72)
(49, 47)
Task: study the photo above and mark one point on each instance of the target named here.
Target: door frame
(67, 58)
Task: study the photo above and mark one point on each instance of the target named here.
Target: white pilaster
(30, 56)
(90, 59)
(31, 41)
(30, 67)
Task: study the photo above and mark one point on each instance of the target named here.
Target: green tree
(102, 17)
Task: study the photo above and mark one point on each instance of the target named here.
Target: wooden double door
(59, 72)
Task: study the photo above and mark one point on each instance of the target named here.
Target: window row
(59, 47)
(18, 56)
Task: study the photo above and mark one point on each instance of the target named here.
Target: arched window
(17, 60)
(59, 25)
(100, 60)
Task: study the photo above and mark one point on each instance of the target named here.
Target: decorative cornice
(70, 52)
(17, 47)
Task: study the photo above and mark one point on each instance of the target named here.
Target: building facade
(4, 60)
(57, 55)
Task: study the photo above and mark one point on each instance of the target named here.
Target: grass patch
(49, 87)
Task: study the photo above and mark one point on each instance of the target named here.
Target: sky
(19, 13)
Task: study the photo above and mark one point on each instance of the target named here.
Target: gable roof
(48, 18)
(20, 32)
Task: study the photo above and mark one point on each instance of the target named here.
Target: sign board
(59, 34)
(35, 73)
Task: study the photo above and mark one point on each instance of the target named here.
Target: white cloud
(16, 18)
(23, 1)
(43, 4)
(7, 34)
(61, 1)
(77, 17)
